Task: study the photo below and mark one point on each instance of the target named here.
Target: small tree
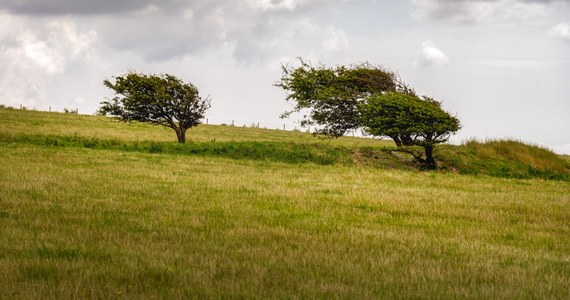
(156, 99)
(332, 95)
(398, 114)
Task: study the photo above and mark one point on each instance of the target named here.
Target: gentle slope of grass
(91, 208)
(79, 222)
(19, 122)
(509, 159)
(505, 158)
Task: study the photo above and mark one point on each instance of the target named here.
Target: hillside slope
(509, 159)
(96, 209)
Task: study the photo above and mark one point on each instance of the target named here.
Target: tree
(156, 99)
(332, 95)
(421, 119)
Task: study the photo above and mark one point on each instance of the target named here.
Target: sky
(502, 66)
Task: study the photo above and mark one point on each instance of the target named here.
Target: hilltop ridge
(501, 158)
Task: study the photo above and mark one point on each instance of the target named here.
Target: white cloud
(561, 31)
(172, 29)
(268, 43)
(484, 10)
(188, 14)
(429, 55)
(454, 10)
(289, 5)
(62, 43)
(274, 5)
(40, 53)
(335, 40)
(30, 57)
(150, 9)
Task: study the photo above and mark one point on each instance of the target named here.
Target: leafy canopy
(331, 95)
(156, 99)
(422, 120)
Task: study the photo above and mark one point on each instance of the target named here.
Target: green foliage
(156, 99)
(331, 95)
(286, 152)
(71, 111)
(4, 106)
(341, 99)
(397, 114)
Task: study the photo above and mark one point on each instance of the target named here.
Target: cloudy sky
(503, 66)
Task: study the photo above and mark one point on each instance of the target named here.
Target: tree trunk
(397, 141)
(406, 140)
(430, 161)
(402, 140)
(181, 134)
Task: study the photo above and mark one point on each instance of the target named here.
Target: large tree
(330, 96)
(421, 119)
(156, 99)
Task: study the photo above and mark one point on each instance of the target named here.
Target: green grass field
(91, 208)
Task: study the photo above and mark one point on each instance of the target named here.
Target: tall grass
(505, 158)
(91, 208)
(519, 152)
(89, 223)
(288, 152)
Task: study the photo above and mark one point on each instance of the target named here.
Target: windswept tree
(330, 96)
(421, 119)
(156, 99)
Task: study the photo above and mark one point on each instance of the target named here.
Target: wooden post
(232, 122)
(283, 126)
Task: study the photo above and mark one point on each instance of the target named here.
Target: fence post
(283, 126)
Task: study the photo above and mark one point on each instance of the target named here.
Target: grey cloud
(253, 30)
(81, 7)
(161, 37)
(528, 1)
(483, 10)
(159, 34)
(545, 1)
(100, 7)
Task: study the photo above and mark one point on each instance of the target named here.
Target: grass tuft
(504, 158)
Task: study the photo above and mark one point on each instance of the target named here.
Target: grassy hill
(91, 208)
(510, 159)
